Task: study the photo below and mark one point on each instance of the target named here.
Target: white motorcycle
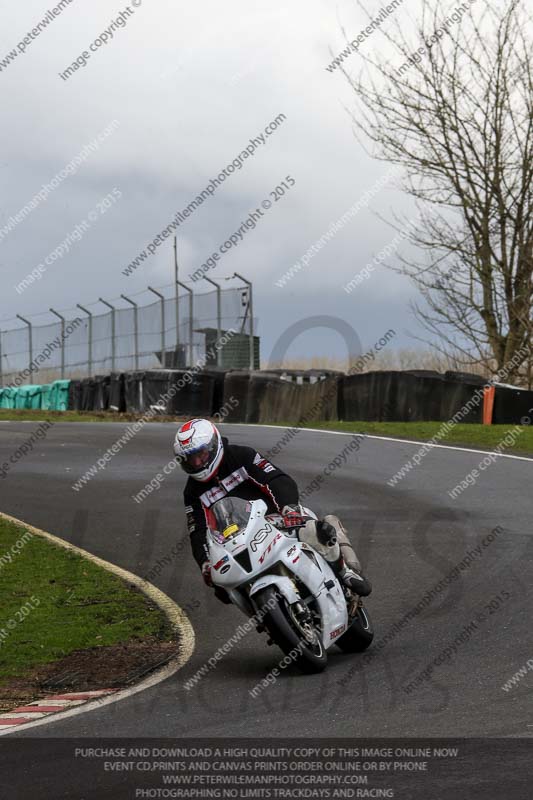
(285, 584)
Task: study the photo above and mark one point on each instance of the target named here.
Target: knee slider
(326, 533)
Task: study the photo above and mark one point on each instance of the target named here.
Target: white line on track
(384, 439)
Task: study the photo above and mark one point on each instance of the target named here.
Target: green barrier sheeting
(7, 399)
(58, 398)
(45, 396)
(28, 396)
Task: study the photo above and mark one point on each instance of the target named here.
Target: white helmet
(198, 448)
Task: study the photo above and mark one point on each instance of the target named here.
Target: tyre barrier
(265, 390)
(306, 375)
(280, 396)
(266, 397)
(236, 387)
(101, 392)
(88, 394)
(133, 396)
(512, 406)
(282, 401)
(465, 377)
(395, 396)
(464, 398)
(74, 396)
(371, 396)
(219, 376)
(195, 395)
(117, 392)
(171, 392)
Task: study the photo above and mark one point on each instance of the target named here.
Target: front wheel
(359, 635)
(299, 640)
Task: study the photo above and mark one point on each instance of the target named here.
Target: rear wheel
(359, 635)
(292, 631)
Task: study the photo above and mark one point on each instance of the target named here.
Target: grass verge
(484, 437)
(69, 624)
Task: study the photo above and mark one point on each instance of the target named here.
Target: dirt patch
(110, 667)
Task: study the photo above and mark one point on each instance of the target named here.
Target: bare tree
(456, 114)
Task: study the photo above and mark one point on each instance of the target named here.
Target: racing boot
(355, 581)
(344, 563)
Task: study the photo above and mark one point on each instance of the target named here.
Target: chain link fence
(135, 332)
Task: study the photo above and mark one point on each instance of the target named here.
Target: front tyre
(301, 642)
(359, 635)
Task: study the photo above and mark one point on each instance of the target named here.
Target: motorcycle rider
(217, 468)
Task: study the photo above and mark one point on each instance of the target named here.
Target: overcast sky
(189, 87)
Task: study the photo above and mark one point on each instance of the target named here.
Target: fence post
(1, 378)
(135, 328)
(162, 298)
(177, 300)
(113, 332)
(62, 342)
(219, 318)
(30, 339)
(90, 338)
(251, 312)
(191, 323)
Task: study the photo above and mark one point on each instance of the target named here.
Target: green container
(8, 397)
(58, 398)
(28, 396)
(45, 396)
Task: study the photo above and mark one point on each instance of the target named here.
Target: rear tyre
(359, 635)
(302, 644)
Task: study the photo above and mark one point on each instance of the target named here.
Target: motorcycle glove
(293, 517)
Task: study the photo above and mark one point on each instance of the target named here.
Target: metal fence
(135, 332)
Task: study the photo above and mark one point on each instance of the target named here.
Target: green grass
(486, 437)
(72, 604)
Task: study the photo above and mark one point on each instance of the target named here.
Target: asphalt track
(408, 538)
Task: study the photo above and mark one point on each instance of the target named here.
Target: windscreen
(230, 516)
